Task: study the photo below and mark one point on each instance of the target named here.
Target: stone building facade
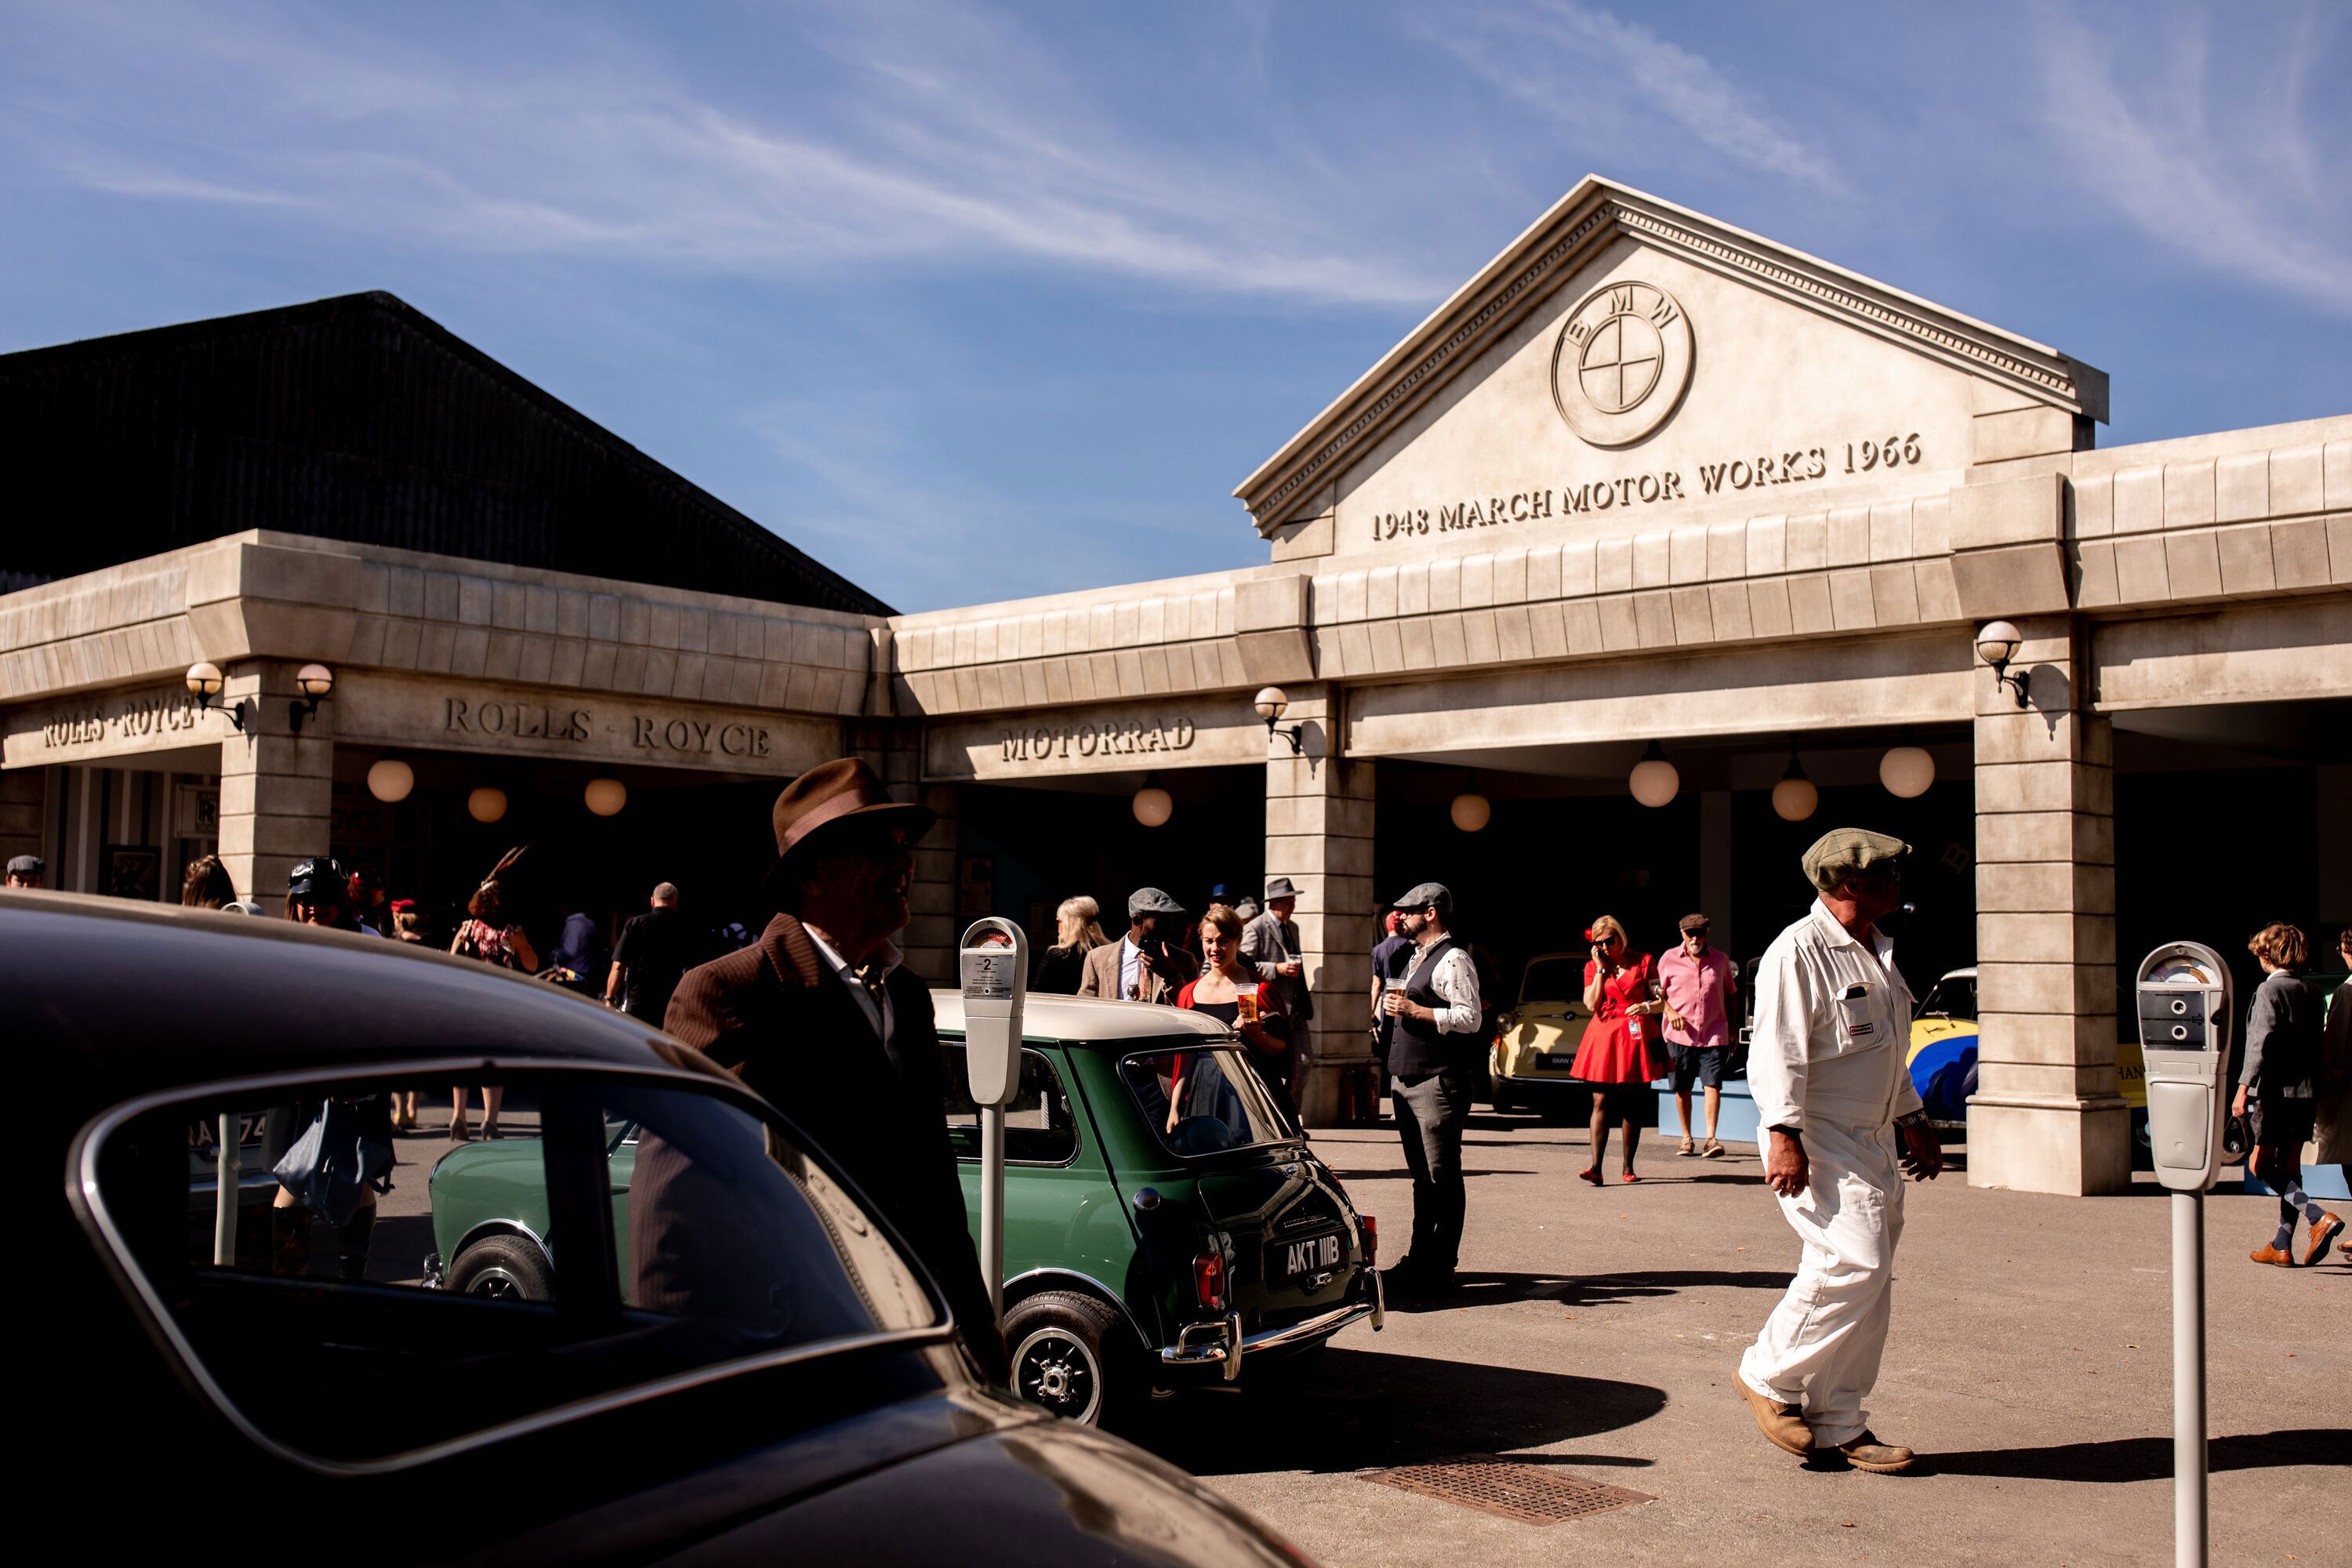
(1645, 479)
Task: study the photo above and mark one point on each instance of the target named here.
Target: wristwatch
(1911, 1119)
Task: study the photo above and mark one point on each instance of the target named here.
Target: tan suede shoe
(1782, 1425)
(1867, 1453)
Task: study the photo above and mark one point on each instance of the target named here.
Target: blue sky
(890, 277)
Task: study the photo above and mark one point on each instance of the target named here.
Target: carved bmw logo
(1621, 364)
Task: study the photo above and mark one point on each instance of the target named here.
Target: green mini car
(1164, 1223)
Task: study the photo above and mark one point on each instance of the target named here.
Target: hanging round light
(605, 797)
(1654, 780)
(487, 803)
(1795, 797)
(389, 780)
(1152, 805)
(1906, 771)
(1471, 811)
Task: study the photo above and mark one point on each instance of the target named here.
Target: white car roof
(1057, 1018)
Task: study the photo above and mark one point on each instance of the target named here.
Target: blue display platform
(1735, 1121)
(2318, 1181)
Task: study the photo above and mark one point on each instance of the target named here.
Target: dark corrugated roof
(356, 418)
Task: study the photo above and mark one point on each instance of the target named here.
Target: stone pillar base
(1317, 1092)
(2081, 1147)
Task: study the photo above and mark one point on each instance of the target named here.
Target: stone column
(277, 786)
(1319, 833)
(2047, 1116)
(895, 751)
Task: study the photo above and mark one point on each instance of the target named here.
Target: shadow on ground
(1360, 1408)
(2146, 1459)
(1588, 1290)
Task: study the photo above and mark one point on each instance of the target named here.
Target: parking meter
(993, 963)
(2184, 1037)
(2182, 997)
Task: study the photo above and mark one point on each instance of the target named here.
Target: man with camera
(1143, 965)
(1826, 1064)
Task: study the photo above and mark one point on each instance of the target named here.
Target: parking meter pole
(228, 1167)
(993, 963)
(2188, 1380)
(991, 1203)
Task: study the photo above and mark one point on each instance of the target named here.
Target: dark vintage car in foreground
(1149, 1245)
(769, 1376)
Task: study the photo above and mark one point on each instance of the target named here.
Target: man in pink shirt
(1699, 983)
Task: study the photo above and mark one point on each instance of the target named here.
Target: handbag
(333, 1165)
(2237, 1138)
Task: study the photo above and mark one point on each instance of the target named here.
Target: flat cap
(1691, 923)
(26, 866)
(1844, 852)
(1151, 901)
(1421, 895)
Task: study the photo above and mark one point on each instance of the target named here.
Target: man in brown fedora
(818, 1018)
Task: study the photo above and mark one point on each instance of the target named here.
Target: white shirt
(885, 1017)
(1832, 1031)
(1456, 980)
(1130, 970)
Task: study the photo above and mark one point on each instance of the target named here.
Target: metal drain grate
(1511, 1489)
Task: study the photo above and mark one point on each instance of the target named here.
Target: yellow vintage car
(1536, 1041)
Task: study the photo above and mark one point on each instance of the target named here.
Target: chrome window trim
(82, 1194)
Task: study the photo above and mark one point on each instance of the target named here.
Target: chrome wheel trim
(1054, 1370)
(497, 1283)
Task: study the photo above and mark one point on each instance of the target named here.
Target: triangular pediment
(1601, 316)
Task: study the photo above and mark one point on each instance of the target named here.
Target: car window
(618, 1232)
(1039, 1127)
(1953, 996)
(1553, 980)
(1202, 1101)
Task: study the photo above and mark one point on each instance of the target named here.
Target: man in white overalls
(1828, 1071)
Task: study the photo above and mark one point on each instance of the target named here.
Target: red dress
(1616, 1048)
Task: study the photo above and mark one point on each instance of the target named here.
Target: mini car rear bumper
(1219, 1341)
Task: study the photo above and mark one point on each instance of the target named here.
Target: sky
(895, 277)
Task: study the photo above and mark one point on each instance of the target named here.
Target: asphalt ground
(1598, 1331)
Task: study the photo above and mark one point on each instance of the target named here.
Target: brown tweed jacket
(1101, 976)
(774, 1015)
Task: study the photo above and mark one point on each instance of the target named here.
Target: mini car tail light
(1371, 1241)
(1209, 1279)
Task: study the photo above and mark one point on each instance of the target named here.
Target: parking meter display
(2183, 1003)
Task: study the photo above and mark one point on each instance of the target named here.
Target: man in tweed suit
(818, 1018)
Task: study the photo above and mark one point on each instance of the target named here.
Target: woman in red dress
(1620, 1053)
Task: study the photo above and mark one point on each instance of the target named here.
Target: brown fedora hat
(845, 790)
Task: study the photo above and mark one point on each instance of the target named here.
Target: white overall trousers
(1832, 1030)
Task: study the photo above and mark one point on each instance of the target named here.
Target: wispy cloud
(2235, 187)
(1622, 72)
(954, 139)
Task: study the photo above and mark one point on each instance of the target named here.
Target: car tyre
(1070, 1355)
(503, 1267)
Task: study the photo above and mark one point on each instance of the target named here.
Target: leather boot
(353, 1235)
(1867, 1453)
(289, 1243)
(1782, 1425)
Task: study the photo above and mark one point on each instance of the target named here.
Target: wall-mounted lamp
(313, 681)
(1654, 780)
(1272, 702)
(1997, 644)
(1152, 805)
(204, 679)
